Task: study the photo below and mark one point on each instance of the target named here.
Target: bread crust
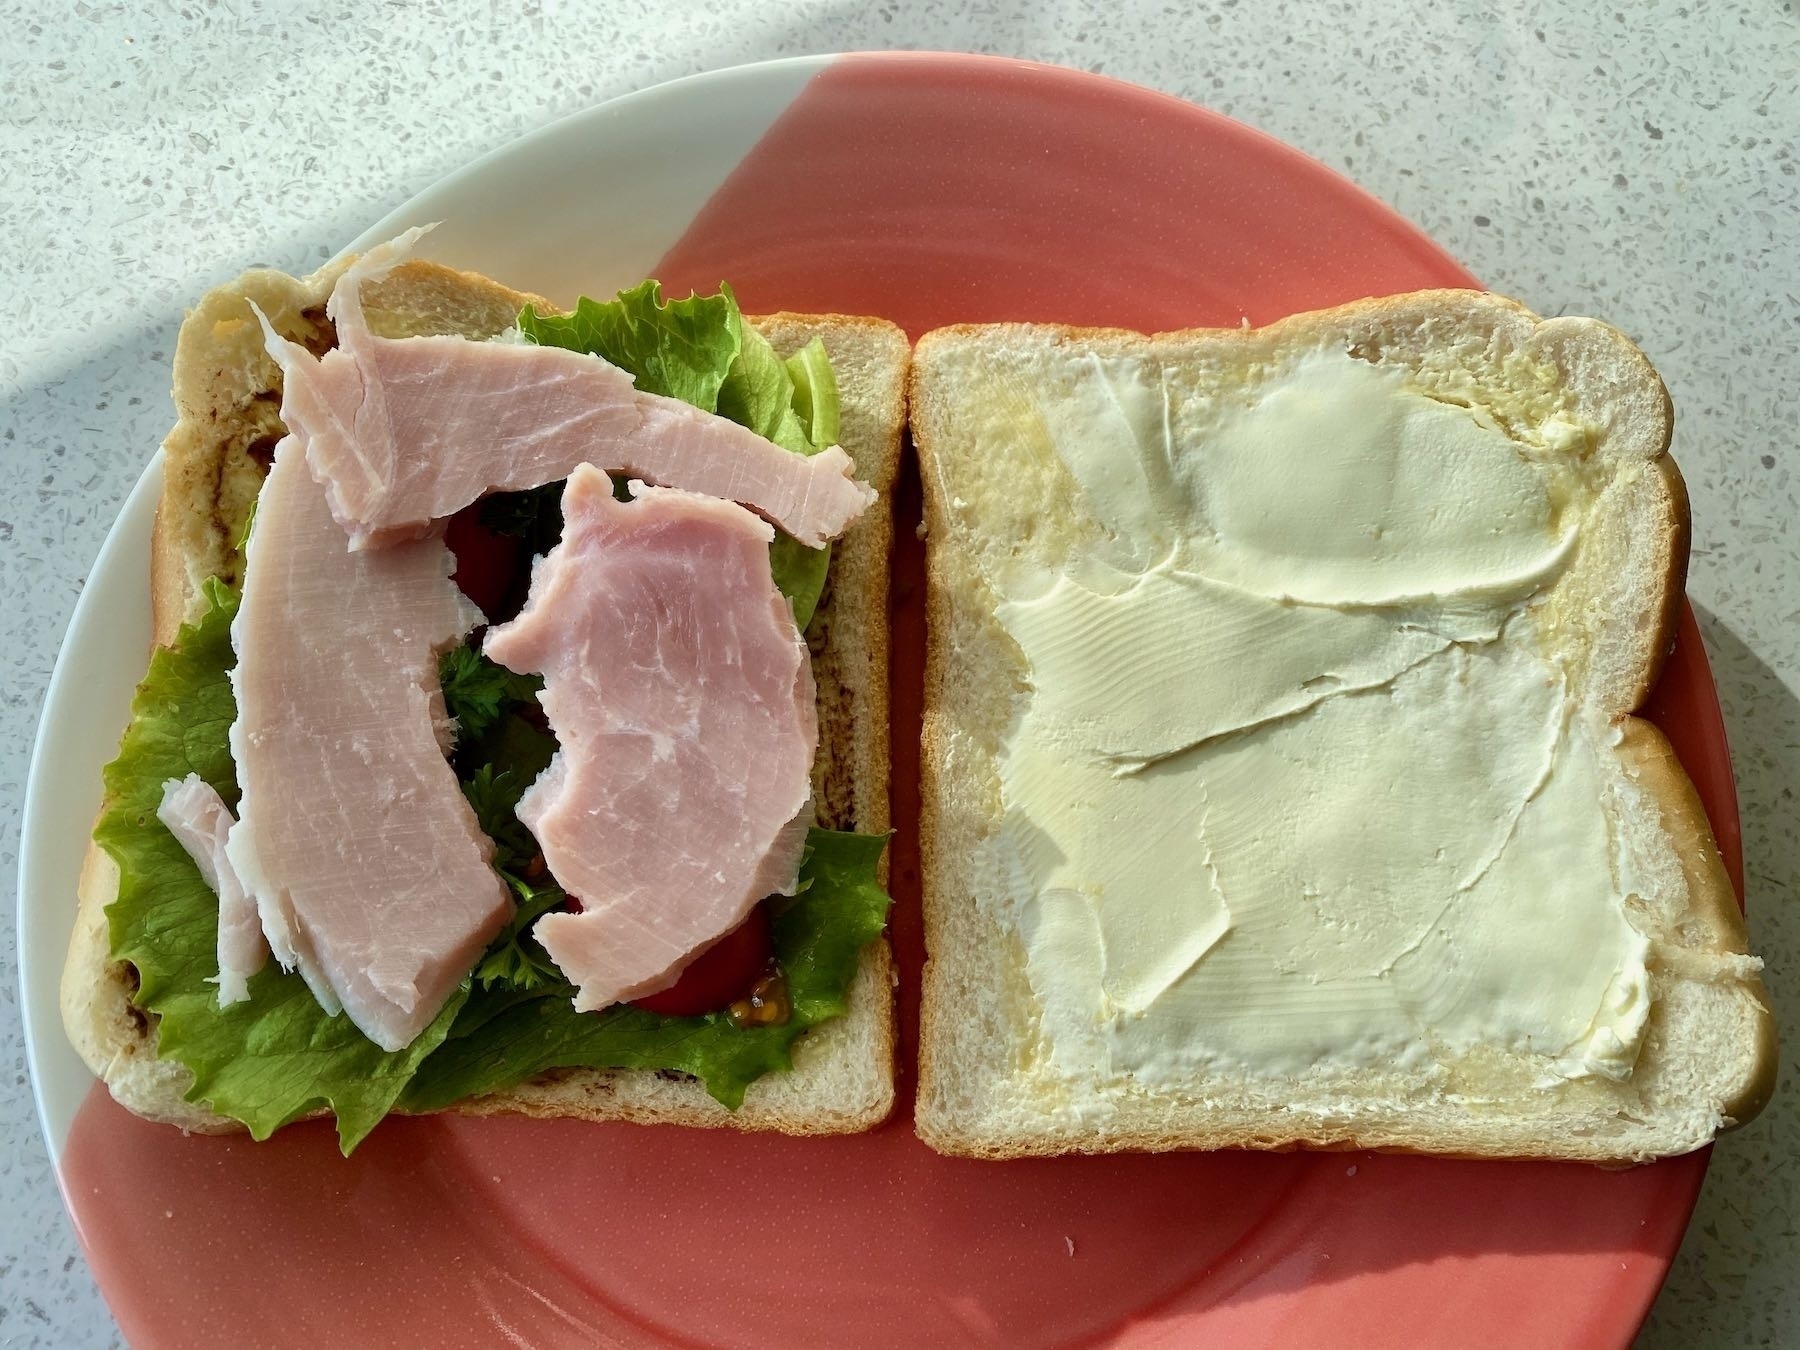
(1630, 583)
(1716, 922)
(226, 391)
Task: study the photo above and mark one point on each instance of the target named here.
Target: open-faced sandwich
(406, 820)
(1281, 780)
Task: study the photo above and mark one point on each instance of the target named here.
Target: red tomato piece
(486, 563)
(720, 975)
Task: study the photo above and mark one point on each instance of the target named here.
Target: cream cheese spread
(1294, 785)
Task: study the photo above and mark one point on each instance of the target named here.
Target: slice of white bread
(995, 497)
(227, 395)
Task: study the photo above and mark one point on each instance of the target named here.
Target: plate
(931, 189)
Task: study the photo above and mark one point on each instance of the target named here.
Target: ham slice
(201, 822)
(405, 431)
(682, 696)
(364, 860)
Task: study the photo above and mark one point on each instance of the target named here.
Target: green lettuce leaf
(681, 349)
(763, 394)
(701, 351)
(508, 1032)
(277, 1056)
(799, 574)
(759, 393)
(815, 393)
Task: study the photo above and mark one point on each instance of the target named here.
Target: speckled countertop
(1638, 165)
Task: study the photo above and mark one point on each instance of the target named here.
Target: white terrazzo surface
(1639, 165)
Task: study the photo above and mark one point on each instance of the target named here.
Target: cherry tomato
(721, 974)
(486, 563)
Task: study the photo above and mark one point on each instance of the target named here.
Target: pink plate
(933, 189)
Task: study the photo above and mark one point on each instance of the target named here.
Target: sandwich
(515, 738)
(1281, 780)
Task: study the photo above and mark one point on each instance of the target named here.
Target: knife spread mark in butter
(1294, 786)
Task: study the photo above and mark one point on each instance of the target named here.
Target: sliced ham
(364, 860)
(405, 431)
(682, 696)
(201, 822)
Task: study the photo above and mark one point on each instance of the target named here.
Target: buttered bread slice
(1281, 786)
